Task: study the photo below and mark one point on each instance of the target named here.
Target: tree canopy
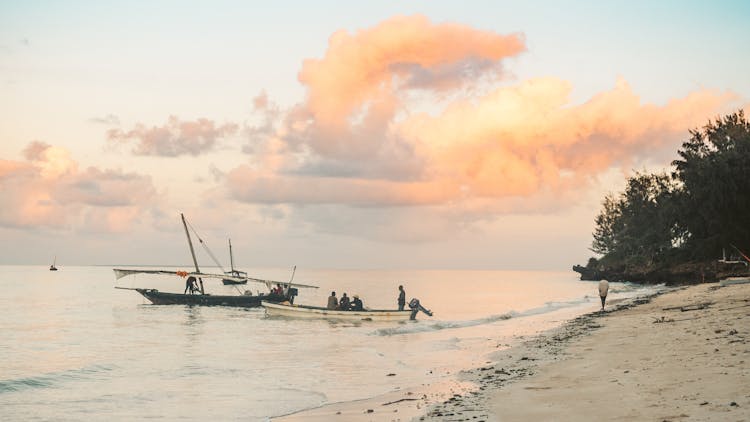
(692, 213)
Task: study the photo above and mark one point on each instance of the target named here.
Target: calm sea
(74, 348)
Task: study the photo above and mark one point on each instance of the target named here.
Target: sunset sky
(325, 134)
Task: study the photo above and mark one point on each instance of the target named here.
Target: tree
(638, 226)
(687, 216)
(714, 172)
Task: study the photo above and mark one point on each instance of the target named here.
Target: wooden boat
(234, 273)
(244, 301)
(198, 296)
(303, 311)
(52, 267)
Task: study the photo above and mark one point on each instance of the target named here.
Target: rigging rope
(205, 246)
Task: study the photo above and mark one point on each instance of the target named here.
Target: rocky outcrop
(672, 274)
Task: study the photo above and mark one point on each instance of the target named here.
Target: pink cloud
(356, 90)
(174, 138)
(49, 190)
(360, 138)
(519, 140)
(361, 67)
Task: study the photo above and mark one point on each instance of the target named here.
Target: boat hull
(312, 312)
(236, 274)
(232, 282)
(162, 298)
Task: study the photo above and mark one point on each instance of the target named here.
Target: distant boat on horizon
(52, 267)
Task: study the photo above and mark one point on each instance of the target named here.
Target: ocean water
(74, 348)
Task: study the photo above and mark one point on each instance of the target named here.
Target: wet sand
(681, 355)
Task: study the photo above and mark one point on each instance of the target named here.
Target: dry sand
(682, 355)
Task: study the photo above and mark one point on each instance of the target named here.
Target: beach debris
(369, 411)
(686, 308)
(662, 319)
(704, 403)
(732, 332)
(734, 403)
(399, 401)
(391, 375)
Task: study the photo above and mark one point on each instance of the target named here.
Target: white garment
(603, 288)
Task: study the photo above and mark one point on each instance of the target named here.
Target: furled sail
(120, 273)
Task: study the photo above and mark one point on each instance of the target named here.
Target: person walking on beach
(603, 289)
(401, 298)
(333, 303)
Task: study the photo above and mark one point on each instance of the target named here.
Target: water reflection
(193, 314)
(120, 360)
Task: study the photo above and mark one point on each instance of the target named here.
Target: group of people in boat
(192, 287)
(345, 304)
(355, 304)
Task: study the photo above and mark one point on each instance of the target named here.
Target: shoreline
(680, 354)
(677, 354)
(523, 361)
(461, 392)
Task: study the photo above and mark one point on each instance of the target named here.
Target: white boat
(735, 280)
(302, 311)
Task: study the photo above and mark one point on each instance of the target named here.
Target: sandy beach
(681, 355)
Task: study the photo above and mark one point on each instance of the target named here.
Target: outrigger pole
(192, 251)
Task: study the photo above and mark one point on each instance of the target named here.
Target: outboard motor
(292, 293)
(416, 307)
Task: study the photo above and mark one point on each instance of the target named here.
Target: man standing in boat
(401, 298)
(190, 285)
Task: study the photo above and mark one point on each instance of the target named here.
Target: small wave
(441, 325)
(628, 292)
(52, 379)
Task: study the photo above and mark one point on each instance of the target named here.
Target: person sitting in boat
(344, 303)
(333, 302)
(278, 290)
(356, 304)
(191, 285)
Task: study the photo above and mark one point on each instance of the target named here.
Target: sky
(376, 134)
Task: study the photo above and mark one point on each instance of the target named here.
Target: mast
(231, 257)
(192, 251)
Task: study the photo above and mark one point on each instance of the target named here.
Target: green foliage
(637, 226)
(714, 168)
(702, 206)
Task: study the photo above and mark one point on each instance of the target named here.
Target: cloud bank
(49, 189)
(413, 113)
